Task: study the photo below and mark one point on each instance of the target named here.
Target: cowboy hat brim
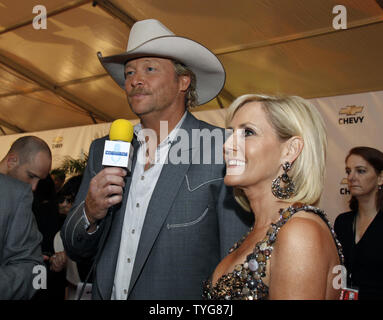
(207, 68)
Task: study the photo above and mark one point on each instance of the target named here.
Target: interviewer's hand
(105, 190)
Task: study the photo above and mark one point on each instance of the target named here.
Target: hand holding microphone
(107, 187)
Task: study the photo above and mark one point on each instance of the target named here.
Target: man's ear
(293, 148)
(12, 161)
(184, 82)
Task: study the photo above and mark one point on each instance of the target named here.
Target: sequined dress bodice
(245, 282)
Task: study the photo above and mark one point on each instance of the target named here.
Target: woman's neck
(367, 206)
(264, 206)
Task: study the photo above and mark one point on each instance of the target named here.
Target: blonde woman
(275, 160)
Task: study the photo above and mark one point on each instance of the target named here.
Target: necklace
(245, 281)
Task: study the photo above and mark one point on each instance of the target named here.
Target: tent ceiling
(52, 79)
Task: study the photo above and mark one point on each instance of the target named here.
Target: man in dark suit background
(172, 222)
(28, 160)
(20, 240)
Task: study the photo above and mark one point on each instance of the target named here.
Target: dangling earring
(289, 188)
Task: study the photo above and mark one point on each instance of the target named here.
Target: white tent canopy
(51, 78)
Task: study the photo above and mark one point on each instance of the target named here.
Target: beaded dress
(245, 281)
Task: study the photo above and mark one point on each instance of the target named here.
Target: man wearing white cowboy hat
(174, 222)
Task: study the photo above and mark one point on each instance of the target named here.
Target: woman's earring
(289, 187)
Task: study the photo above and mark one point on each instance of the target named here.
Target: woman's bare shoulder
(305, 231)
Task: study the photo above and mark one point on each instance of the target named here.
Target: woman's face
(361, 177)
(253, 152)
(65, 204)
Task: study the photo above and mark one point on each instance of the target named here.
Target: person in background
(66, 196)
(58, 177)
(361, 230)
(45, 209)
(20, 250)
(275, 159)
(75, 272)
(29, 159)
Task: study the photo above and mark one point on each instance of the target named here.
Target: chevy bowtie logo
(348, 115)
(344, 181)
(351, 110)
(58, 139)
(57, 142)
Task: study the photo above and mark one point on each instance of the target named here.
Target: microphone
(118, 151)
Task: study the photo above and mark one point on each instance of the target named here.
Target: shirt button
(142, 177)
(133, 231)
(128, 260)
(137, 205)
(125, 291)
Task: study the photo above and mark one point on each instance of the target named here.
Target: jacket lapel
(170, 179)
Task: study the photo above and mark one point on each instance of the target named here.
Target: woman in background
(75, 272)
(45, 209)
(360, 231)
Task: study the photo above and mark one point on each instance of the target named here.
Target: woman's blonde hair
(293, 116)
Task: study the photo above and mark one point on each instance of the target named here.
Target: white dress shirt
(141, 190)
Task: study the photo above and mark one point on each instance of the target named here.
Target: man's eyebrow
(145, 60)
(128, 66)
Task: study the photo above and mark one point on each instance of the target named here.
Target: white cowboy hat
(151, 38)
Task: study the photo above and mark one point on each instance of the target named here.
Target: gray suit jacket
(19, 240)
(191, 223)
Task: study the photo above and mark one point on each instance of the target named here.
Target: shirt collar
(137, 129)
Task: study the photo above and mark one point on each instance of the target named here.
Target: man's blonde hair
(293, 116)
(191, 98)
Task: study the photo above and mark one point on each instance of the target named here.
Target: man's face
(33, 170)
(152, 85)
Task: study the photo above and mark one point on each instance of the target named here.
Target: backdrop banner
(351, 120)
